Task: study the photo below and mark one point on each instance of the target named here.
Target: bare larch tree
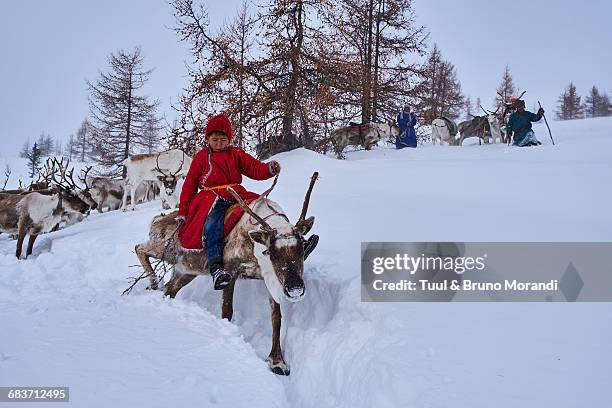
(118, 115)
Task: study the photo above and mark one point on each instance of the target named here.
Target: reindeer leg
(21, 233)
(176, 283)
(146, 264)
(31, 244)
(227, 305)
(133, 195)
(124, 199)
(275, 359)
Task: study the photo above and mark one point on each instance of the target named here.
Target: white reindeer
(443, 129)
(153, 167)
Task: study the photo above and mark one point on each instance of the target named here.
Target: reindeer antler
(313, 179)
(84, 178)
(47, 172)
(246, 208)
(7, 174)
(66, 182)
(159, 168)
(484, 110)
(173, 175)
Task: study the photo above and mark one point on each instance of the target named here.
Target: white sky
(49, 48)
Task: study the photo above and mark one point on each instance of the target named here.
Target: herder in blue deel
(407, 136)
(520, 124)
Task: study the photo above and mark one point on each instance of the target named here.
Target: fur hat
(219, 123)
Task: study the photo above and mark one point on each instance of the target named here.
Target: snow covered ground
(65, 323)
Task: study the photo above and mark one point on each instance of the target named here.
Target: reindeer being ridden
(263, 245)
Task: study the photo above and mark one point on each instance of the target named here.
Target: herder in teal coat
(520, 124)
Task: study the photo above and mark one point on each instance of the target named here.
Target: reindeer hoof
(279, 367)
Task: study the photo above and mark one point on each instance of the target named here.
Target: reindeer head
(495, 120)
(279, 250)
(81, 198)
(169, 180)
(282, 249)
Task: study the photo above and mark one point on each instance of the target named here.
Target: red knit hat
(219, 123)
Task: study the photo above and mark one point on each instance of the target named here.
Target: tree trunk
(126, 151)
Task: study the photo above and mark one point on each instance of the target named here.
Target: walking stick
(549, 132)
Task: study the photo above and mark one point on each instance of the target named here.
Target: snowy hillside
(65, 322)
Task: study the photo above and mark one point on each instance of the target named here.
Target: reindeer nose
(294, 287)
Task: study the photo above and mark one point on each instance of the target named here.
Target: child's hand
(274, 167)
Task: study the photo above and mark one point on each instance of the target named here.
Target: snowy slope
(65, 322)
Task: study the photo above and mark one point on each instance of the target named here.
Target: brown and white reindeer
(263, 245)
(366, 135)
(495, 124)
(66, 182)
(39, 212)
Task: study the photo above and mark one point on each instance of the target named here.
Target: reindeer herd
(56, 201)
(263, 245)
(488, 128)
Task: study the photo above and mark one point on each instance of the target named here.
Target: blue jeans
(213, 231)
(529, 138)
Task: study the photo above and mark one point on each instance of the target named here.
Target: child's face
(217, 141)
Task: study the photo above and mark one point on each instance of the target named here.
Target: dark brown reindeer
(263, 245)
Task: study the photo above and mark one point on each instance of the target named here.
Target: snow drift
(65, 323)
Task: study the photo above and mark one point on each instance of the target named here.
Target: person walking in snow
(520, 124)
(214, 169)
(406, 121)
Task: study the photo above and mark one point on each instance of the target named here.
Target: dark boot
(220, 277)
(310, 245)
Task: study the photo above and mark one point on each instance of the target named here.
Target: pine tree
(592, 103)
(34, 158)
(118, 114)
(48, 145)
(152, 134)
(507, 89)
(605, 106)
(468, 107)
(59, 149)
(25, 150)
(45, 144)
(82, 140)
(570, 105)
(442, 95)
(71, 148)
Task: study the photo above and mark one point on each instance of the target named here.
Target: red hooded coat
(210, 169)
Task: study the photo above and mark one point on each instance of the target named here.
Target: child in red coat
(212, 170)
